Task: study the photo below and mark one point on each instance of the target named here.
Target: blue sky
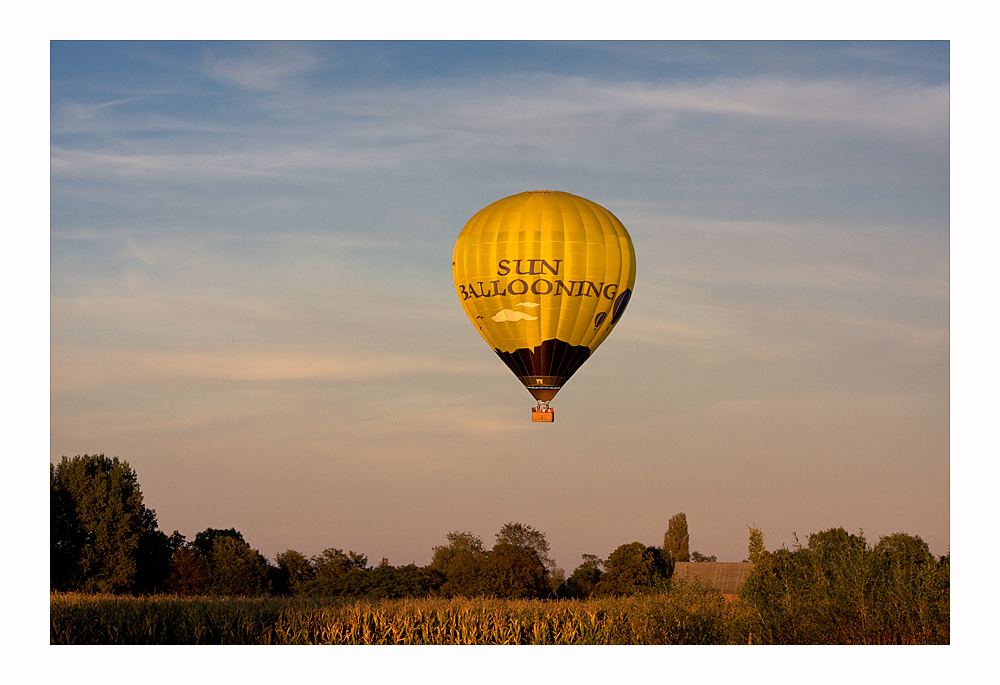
(251, 300)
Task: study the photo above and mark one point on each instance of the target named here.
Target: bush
(838, 590)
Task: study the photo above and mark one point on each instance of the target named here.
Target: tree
(153, 559)
(294, 571)
(98, 524)
(334, 563)
(675, 541)
(519, 564)
(837, 542)
(338, 574)
(204, 541)
(235, 569)
(698, 556)
(390, 582)
(514, 572)
(755, 547)
(520, 535)
(906, 552)
(556, 582)
(584, 580)
(632, 568)
(459, 565)
(838, 590)
(188, 572)
(66, 536)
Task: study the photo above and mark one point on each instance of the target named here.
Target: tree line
(104, 539)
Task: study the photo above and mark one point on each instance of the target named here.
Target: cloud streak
(269, 70)
(569, 120)
(76, 367)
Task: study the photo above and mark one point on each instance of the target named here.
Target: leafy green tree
(334, 563)
(836, 542)
(67, 536)
(204, 541)
(907, 552)
(99, 524)
(756, 546)
(153, 557)
(515, 572)
(838, 590)
(458, 566)
(235, 569)
(294, 571)
(676, 541)
(556, 582)
(583, 581)
(338, 574)
(519, 565)
(520, 535)
(390, 582)
(698, 556)
(633, 568)
(188, 572)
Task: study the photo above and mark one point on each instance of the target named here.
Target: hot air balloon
(544, 276)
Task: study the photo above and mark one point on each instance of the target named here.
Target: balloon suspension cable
(542, 407)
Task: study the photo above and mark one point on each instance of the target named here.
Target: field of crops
(688, 614)
(694, 618)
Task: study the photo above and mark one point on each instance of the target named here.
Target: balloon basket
(543, 413)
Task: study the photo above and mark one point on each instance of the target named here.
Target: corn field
(872, 604)
(696, 618)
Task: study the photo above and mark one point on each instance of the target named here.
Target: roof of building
(727, 576)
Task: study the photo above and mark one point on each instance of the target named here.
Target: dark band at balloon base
(545, 369)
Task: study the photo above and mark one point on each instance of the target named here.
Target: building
(727, 576)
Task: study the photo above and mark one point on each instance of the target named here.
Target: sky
(251, 298)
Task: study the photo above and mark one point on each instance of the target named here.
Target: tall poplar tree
(676, 544)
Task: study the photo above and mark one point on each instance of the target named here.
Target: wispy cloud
(191, 167)
(267, 70)
(79, 367)
(567, 120)
(884, 108)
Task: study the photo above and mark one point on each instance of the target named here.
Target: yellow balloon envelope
(544, 276)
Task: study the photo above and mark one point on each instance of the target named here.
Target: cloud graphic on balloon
(527, 304)
(510, 315)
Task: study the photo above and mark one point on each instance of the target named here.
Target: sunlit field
(688, 614)
(106, 619)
